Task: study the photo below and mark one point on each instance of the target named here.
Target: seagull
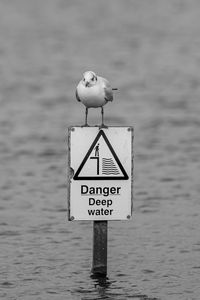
(94, 91)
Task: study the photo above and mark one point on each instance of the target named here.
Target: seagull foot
(103, 126)
(85, 125)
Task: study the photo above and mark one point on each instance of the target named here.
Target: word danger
(98, 190)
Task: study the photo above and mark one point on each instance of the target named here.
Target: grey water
(149, 50)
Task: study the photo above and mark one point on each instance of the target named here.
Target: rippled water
(150, 51)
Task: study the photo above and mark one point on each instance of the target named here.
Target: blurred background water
(150, 51)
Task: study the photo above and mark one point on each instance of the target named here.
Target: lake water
(149, 50)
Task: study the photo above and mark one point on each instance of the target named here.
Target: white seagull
(94, 91)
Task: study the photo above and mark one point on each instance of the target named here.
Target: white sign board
(100, 173)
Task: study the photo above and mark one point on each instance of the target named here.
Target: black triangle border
(124, 177)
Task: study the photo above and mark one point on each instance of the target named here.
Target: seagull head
(89, 79)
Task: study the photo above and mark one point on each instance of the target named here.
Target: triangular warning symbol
(101, 162)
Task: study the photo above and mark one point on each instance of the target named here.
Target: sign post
(100, 181)
(99, 263)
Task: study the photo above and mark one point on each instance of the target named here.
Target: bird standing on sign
(94, 91)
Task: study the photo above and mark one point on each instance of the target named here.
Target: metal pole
(99, 266)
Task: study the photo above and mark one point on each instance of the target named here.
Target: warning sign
(101, 162)
(100, 173)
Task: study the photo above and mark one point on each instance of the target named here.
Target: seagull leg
(102, 117)
(86, 115)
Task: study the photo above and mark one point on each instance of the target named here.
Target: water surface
(150, 51)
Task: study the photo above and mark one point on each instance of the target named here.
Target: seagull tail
(115, 89)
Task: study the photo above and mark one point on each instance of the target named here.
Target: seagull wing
(77, 95)
(107, 90)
